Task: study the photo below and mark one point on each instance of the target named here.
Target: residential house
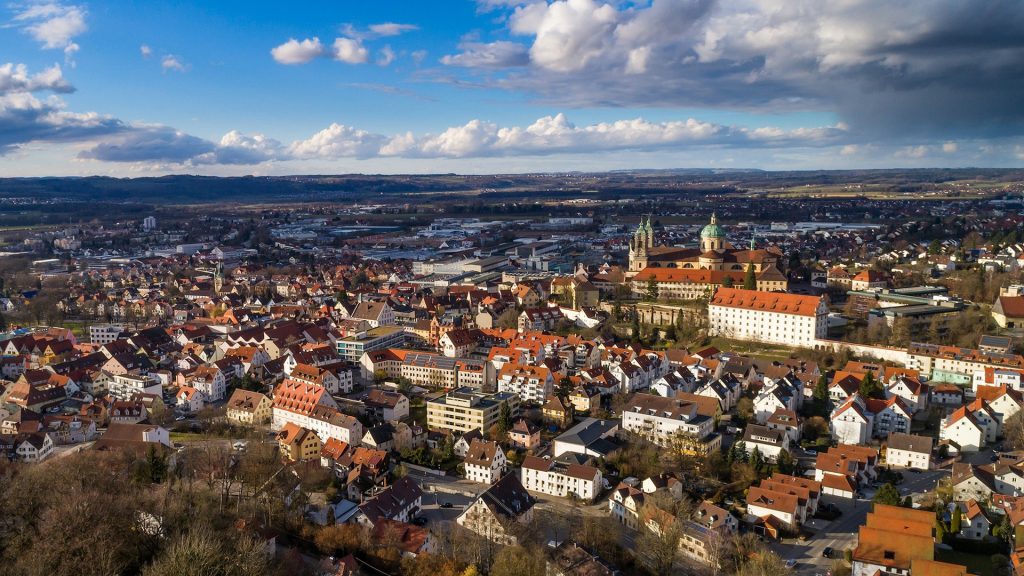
(376, 314)
(625, 504)
(500, 512)
(590, 437)
(562, 479)
(970, 427)
(387, 406)
(524, 435)
(893, 540)
(400, 502)
(908, 451)
(248, 407)
(189, 400)
(530, 383)
(557, 411)
(485, 462)
(298, 444)
(975, 524)
(671, 422)
(769, 443)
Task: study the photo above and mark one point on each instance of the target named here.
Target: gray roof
(588, 431)
(910, 443)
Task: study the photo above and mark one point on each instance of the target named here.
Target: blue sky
(156, 87)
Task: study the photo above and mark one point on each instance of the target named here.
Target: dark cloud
(913, 69)
(157, 144)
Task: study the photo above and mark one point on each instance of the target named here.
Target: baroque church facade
(689, 273)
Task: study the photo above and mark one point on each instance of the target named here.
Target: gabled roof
(507, 498)
(766, 301)
(910, 443)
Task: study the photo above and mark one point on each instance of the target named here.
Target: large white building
(560, 479)
(104, 333)
(771, 317)
(467, 409)
(531, 383)
(960, 365)
(310, 406)
(670, 422)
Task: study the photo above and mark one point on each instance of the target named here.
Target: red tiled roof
(766, 301)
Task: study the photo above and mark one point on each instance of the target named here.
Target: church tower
(639, 244)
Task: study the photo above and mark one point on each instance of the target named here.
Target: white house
(769, 443)
(665, 421)
(189, 399)
(210, 381)
(772, 397)
(784, 507)
(560, 479)
(485, 462)
(909, 451)
(310, 406)
(377, 314)
(913, 392)
(964, 430)
(34, 447)
(851, 423)
(975, 524)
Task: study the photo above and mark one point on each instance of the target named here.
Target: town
(747, 382)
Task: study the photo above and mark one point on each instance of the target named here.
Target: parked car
(790, 563)
(446, 504)
(419, 521)
(827, 552)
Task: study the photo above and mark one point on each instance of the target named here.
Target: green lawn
(756, 348)
(975, 563)
(185, 437)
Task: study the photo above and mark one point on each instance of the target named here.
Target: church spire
(751, 242)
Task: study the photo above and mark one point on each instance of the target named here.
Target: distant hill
(204, 189)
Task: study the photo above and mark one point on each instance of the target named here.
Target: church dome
(712, 230)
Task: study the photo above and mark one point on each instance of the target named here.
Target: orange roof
(1013, 306)
(767, 301)
(687, 276)
(772, 499)
(990, 393)
(837, 482)
(890, 549)
(893, 371)
(334, 448)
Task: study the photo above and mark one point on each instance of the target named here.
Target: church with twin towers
(689, 272)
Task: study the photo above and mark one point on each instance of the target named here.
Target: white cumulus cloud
(350, 51)
(298, 52)
(338, 141)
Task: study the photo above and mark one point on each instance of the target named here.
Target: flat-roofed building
(466, 409)
(353, 347)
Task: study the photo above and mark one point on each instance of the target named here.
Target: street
(841, 533)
